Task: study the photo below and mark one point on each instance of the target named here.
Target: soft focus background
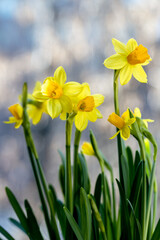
(38, 36)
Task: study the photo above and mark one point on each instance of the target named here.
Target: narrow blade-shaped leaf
(73, 224)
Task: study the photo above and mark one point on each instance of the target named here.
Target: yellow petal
(139, 73)
(37, 87)
(87, 149)
(92, 116)
(116, 61)
(81, 121)
(126, 116)
(66, 104)
(130, 122)
(131, 44)
(34, 113)
(60, 76)
(137, 112)
(126, 74)
(63, 116)
(99, 114)
(72, 89)
(120, 47)
(38, 95)
(98, 99)
(18, 123)
(54, 108)
(114, 135)
(125, 133)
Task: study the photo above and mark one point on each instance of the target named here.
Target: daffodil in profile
(137, 113)
(85, 107)
(87, 149)
(35, 108)
(57, 93)
(129, 59)
(17, 115)
(123, 123)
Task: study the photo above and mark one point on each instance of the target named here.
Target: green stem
(142, 148)
(75, 166)
(35, 171)
(68, 174)
(38, 173)
(154, 205)
(117, 111)
(150, 197)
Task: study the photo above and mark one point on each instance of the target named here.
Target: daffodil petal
(116, 61)
(120, 47)
(98, 99)
(139, 73)
(60, 76)
(39, 96)
(37, 86)
(137, 112)
(54, 108)
(146, 62)
(126, 74)
(18, 123)
(130, 122)
(72, 89)
(11, 120)
(63, 116)
(66, 104)
(81, 121)
(92, 116)
(99, 114)
(125, 133)
(115, 135)
(34, 113)
(131, 45)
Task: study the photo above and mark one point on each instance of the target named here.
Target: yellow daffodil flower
(87, 149)
(17, 115)
(129, 59)
(57, 94)
(35, 109)
(137, 113)
(85, 107)
(123, 123)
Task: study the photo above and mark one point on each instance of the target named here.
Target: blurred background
(38, 36)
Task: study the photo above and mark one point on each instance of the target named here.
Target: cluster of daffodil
(83, 214)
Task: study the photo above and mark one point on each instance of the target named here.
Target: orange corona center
(51, 89)
(139, 55)
(116, 120)
(86, 104)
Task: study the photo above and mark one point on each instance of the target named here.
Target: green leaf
(86, 180)
(62, 178)
(125, 224)
(137, 160)
(61, 216)
(5, 233)
(125, 174)
(17, 224)
(98, 190)
(136, 186)
(97, 216)
(18, 210)
(156, 234)
(73, 224)
(32, 223)
(86, 219)
(130, 164)
(63, 159)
